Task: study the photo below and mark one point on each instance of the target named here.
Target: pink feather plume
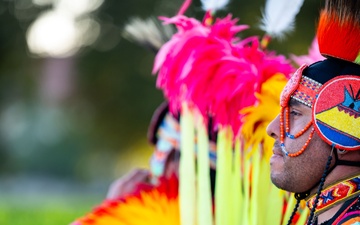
(314, 55)
(212, 69)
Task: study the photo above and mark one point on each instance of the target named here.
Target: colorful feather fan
(148, 205)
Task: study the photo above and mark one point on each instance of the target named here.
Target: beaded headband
(301, 88)
(306, 92)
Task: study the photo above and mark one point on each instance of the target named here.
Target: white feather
(149, 32)
(279, 16)
(213, 5)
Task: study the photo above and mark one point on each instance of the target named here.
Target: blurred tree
(112, 93)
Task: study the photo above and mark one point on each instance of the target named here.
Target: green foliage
(54, 211)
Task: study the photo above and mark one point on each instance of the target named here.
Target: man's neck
(328, 214)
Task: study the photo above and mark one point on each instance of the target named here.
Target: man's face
(301, 173)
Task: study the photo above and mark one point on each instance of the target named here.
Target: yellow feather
(187, 195)
(223, 176)
(237, 189)
(203, 178)
(255, 186)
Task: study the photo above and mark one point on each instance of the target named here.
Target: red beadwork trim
(336, 194)
(291, 86)
(306, 91)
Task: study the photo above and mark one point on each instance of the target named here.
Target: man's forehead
(295, 103)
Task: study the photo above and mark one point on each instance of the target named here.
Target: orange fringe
(339, 39)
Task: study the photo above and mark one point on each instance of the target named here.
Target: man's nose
(273, 129)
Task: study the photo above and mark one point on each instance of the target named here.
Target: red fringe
(339, 39)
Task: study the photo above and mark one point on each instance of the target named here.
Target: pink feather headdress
(313, 55)
(213, 69)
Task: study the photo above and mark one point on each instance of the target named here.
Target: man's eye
(294, 113)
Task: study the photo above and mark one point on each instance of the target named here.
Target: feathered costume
(216, 84)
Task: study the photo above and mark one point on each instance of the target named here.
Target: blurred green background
(76, 98)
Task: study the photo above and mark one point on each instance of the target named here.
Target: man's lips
(277, 149)
(277, 156)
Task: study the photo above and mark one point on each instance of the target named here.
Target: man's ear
(341, 152)
(349, 155)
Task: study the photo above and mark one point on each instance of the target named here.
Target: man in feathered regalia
(317, 140)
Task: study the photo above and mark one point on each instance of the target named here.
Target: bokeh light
(62, 31)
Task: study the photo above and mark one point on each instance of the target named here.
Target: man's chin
(276, 181)
(286, 186)
(276, 171)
